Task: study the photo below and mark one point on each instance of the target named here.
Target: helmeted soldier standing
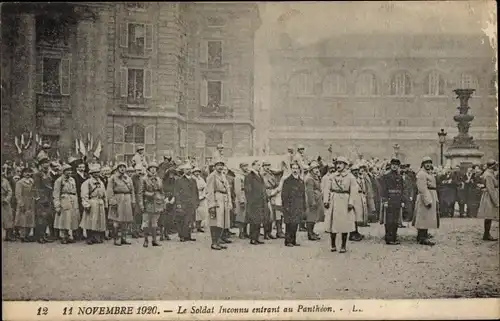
(66, 205)
(151, 202)
(488, 207)
(426, 205)
(121, 198)
(392, 189)
(94, 203)
(360, 206)
(314, 200)
(7, 213)
(219, 205)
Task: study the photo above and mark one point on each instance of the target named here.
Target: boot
(90, 236)
(279, 229)
(333, 237)
(311, 236)
(155, 243)
(116, 237)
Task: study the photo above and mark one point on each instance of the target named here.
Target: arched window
(468, 81)
(301, 85)
(492, 90)
(334, 84)
(401, 84)
(366, 84)
(434, 84)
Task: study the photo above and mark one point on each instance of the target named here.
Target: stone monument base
(463, 157)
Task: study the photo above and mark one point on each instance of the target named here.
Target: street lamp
(442, 140)
(396, 148)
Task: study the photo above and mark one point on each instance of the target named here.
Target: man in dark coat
(447, 192)
(186, 202)
(392, 189)
(408, 193)
(293, 197)
(43, 186)
(472, 190)
(459, 179)
(80, 176)
(166, 221)
(257, 202)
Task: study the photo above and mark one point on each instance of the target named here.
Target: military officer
(392, 189)
(488, 207)
(94, 204)
(151, 202)
(139, 160)
(426, 205)
(314, 200)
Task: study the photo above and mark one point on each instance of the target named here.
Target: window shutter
(204, 93)
(123, 81)
(124, 35)
(150, 133)
(39, 75)
(118, 133)
(148, 79)
(65, 72)
(407, 84)
(223, 94)
(204, 51)
(149, 37)
(441, 86)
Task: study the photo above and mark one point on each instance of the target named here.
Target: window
(334, 84)
(51, 32)
(137, 37)
(214, 89)
(468, 81)
(128, 139)
(493, 86)
(366, 84)
(214, 53)
(434, 84)
(135, 84)
(215, 22)
(401, 84)
(53, 76)
(301, 85)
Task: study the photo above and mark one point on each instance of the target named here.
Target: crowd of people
(85, 201)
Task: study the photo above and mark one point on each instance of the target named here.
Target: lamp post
(396, 148)
(442, 140)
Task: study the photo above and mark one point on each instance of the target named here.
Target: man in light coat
(488, 207)
(94, 201)
(219, 205)
(202, 210)
(340, 217)
(426, 205)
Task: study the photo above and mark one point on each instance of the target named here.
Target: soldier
(426, 205)
(105, 174)
(257, 203)
(136, 175)
(369, 192)
(7, 214)
(25, 212)
(241, 201)
(326, 182)
(202, 210)
(360, 207)
(488, 208)
(151, 202)
(340, 217)
(66, 205)
(392, 192)
(293, 198)
(139, 160)
(94, 204)
(314, 200)
(272, 189)
(121, 200)
(301, 158)
(219, 205)
(186, 202)
(44, 153)
(219, 153)
(43, 184)
(167, 164)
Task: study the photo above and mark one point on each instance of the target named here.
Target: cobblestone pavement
(460, 265)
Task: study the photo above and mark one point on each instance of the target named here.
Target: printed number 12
(42, 311)
(67, 311)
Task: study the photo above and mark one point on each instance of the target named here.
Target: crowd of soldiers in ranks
(82, 200)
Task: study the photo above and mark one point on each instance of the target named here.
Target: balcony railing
(215, 112)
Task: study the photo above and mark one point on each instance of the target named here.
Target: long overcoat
(66, 204)
(94, 203)
(408, 197)
(186, 198)
(488, 207)
(359, 202)
(25, 196)
(240, 198)
(293, 199)
(314, 198)
(7, 214)
(79, 179)
(202, 210)
(343, 188)
(121, 198)
(426, 218)
(273, 189)
(219, 197)
(257, 200)
(447, 189)
(392, 192)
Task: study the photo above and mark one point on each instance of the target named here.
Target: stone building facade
(174, 77)
(363, 94)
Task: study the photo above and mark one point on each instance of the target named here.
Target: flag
(97, 151)
(22, 140)
(88, 142)
(77, 147)
(82, 148)
(16, 142)
(91, 142)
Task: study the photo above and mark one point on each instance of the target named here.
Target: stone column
(23, 75)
